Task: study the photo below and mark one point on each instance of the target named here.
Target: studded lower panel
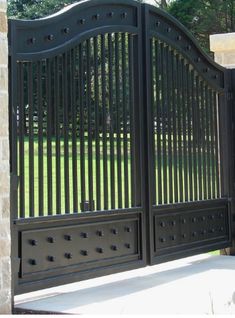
(63, 247)
(181, 230)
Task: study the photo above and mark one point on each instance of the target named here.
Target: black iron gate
(119, 143)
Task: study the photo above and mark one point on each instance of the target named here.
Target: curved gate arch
(113, 165)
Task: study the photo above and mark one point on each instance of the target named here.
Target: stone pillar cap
(222, 42)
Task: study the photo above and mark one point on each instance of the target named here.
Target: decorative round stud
(114, 248)
(84, 235)
(128, 245)
(68, 237)
(96, 16)
(82, 21)
(194, 220)
(34, 242)
(184, 235)
(183, 221)
(51, 258)
(203, 232)
(194, 234)
(68, 255)
(216, 76)
(158, 23)
(100, 250)
(173, 237)
(162, 224)
(162, 239)
(32, 41)
(66, 30)
(84, 253)
(111, 14)
(128, 229)
(100, 233)
(33, 262)
(203, 218)
(198, 59)
(114, 231)
(50, 37)
(124, 15)
(189, 47)
(51, 239)
(179, 38)
(168, 29)
(173, 223)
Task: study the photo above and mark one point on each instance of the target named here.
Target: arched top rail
(56, 31)
(160, 24)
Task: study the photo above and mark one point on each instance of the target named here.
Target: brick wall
(5, 239)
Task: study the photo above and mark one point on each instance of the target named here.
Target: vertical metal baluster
(207, 123)
(73, 88)
(203, 133)
(216, 140)
(49, 150)
(104, 126)
(21, 122)
(194, 136)
(164, 123)
(179, 114)
(57, 125)
(184, 131)
(31, 139)
(132, 133)
(174, 115)
(89, 110)
(97, 121)
(189, 126)
(212, 148)
(159, 57)
(153, 117)
(199, 137)
(66, 133)
(125, 140)
(40, 141)
(111, 133)
(82, 143)
(169, 99)
(118, 105)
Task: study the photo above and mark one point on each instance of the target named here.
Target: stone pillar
(5, 238)
(223, 46)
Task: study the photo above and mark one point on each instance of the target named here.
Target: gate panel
(188, 194)
(77, 138)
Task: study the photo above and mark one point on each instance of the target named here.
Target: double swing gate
(120, 143)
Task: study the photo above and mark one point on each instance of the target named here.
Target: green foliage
(34, 9)
(204, 17)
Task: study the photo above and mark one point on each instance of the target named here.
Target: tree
(34, 9)
(204, 17)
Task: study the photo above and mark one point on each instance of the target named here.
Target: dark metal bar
(132, 116)
(159, 57)
(40, 141)
(153, 109)
(118, 105)
(21, 139)
(82, 141)
(31, 138)
(111, 132)
(65, 79)
(203, 135)
(199, 141)
(179, 115)
(73, 88)
(189, 127)
(216, 140)
(58, 132)
(124, 110)
(104, 115)
(88, 101)
(208, 123)
(164, 123)
(169, 123)
(194, 136)
(49, 149)
(184, 131)
(174, 117)
(97, 116)
(212, 145)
